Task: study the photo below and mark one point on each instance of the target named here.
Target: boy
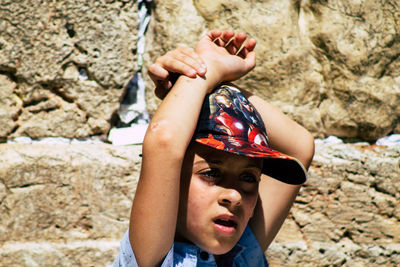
(203, 198)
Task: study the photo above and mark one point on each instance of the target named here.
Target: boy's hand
(167, 68)
(228, 56)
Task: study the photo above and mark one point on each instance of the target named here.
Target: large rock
(10, 106)
(69, 205)
(73, 192)
(64, 205)
(347, 214)
(70, 61)
(331, 65)
(358, 47)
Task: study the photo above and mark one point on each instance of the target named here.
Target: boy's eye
(249, 178)
(212, 173)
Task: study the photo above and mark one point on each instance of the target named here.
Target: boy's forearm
(180, 109)
(276, 198)
(284, 134)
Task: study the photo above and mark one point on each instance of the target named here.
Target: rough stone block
(69, 205)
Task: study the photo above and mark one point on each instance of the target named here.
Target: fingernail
(202, 70)
(192, 72)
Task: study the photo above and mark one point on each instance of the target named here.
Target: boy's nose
(230, 197)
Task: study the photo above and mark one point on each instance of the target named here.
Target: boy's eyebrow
(253, 166)
(215, 161)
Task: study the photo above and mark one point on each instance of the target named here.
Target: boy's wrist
(213, 70)
(209, 81)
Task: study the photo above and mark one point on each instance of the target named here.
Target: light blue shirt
(247, 252)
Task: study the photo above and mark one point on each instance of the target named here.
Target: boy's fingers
(247, 48)
(183, 65)
(192, 54)
(220, 38)
(219, 42)
(239, 40)
(236, 43)
(230, 47)
(250, 60)
(227, 35)
(214, 34)
(173, 62)
(183, 60)
(192, 59)
(157, 72)
(251, 44)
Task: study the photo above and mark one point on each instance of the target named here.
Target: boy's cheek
(251, 205)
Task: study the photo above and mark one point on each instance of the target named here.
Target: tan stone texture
(346, 214)
(330, 65)
(64, 205)
(10, 106)
(69, 61)
(69, 205)
(333, 66)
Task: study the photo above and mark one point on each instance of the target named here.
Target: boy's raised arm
(155, 206)
(276, 198)
(284, 134)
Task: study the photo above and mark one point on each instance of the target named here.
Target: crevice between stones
(10, 72)
(386, 66)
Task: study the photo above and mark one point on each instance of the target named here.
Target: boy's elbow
(308, 150)
(162, 140)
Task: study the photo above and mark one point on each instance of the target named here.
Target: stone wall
(333, 66)
(63, 65)
(64, 205)
(68, 205)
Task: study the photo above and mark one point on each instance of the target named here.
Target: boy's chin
(221, 251)
(220, 247)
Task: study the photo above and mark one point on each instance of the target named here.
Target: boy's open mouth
(226, 222)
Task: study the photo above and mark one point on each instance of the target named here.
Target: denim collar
(194, 254)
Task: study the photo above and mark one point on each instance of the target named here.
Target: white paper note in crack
(128, 135)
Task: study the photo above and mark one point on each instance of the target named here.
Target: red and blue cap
(229, 122)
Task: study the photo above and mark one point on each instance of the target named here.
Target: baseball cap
(229, 122)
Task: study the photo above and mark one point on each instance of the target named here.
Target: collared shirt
(247, 252)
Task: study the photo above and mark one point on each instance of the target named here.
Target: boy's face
(219, 191)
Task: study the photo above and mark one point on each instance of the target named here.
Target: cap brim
(277, 165)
